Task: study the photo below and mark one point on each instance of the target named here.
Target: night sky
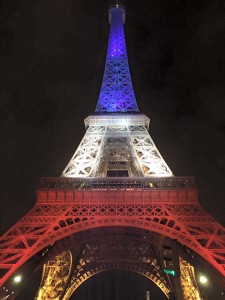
(52, 61)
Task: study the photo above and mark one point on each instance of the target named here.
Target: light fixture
(203, 279)
(17, 278)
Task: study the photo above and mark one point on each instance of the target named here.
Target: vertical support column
(177, 282)
(178, 289)
(170, 264)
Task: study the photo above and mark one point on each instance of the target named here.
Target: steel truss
(99, 250)
(114, 248)
(117, 94)
(59, 213)
(97, 258)
(188, 281)
(55, 277)
(117, 147)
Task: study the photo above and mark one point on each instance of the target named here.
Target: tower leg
(178, 289)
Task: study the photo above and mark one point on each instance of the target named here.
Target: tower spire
(117, 94)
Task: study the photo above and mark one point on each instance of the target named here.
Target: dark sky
(52, 62)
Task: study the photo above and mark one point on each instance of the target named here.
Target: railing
(118, 183)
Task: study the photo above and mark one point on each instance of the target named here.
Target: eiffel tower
(117, 204)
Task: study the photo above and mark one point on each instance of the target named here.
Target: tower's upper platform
(117, 94)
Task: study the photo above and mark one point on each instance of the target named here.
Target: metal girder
(188, 281)
(98, 258)
(117, 94)
(148, 156)
(87, 154)
(55, 277)
(130, 146)
(173, 213)
(100, 250)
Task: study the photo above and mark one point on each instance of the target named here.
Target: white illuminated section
(148, 156)
(117, 119)
(117, 142)
(85, 157)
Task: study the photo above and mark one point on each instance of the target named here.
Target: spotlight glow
(203, 279)
(17, 279)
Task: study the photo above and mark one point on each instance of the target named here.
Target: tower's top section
(117, 94)
(116, 45)
(116, 8)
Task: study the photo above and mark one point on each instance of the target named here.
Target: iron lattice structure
(55, 277)
(116, 177)
(98, 258)
(102, 250)
(119, 143)
(188, 281)
(117, 94)
(60, 212)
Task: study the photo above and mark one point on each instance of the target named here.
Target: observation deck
(121, 183)
(117, 120)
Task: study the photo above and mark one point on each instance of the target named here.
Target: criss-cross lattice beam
(117, 252)
(57, 214)
(148, 156)
(122, 143)
(55, 276)
(188, 281)
(87, 154)
(117, 94)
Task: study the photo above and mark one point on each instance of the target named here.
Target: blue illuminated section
(117, 94)
(116, 45)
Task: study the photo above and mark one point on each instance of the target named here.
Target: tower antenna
(117, 3)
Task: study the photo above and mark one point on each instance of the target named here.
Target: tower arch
(159, 282)
(100, 250)
(49, 222)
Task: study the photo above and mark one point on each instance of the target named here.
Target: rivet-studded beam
(117, 94)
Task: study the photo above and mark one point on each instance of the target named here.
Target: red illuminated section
(174, 213)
